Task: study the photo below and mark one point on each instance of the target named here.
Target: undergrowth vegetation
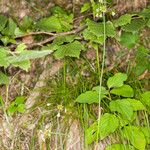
(111, 101)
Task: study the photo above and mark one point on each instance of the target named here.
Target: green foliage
(58, 22)
(71, 49)
(145, 98)
(85, 7)
(3, 21)
(135, 136)
(117, 80)
(120, 147)
(142, 60)
(108, 124)
(3, 78)
(123, 107)
(17, 106)
(129, 39)
(123, 20)
(88, 97)
(125, 91)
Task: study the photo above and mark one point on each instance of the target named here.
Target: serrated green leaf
(146, 132)
(21, 47)
(117, 80)
(88, 97)
(135, 136)
(26, 23)
(10, 29)
(3, 58)
(145, 98)
(125, 91)
(123, 107)
(71, 49)
(123, 20)
(119, 147)
(136, 105)
(98, 28)
(3, 21)
(4, 78)
(108, 124)
(134, 26)
(25, 65)
(85, 7)
(129, 39)
(26, 55)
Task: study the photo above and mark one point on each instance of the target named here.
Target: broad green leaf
(71, 49)
(123, 20)
(129, 39)
(142, 60)
(26, 23)
(3, 58)
(10, 29)
(136, 105)
(85, 7)
(88, 97)
(6, 40)
(103, 90)
(135, 136)
(50, 24)
(135, 25)
(117, 80)
(21, 108)
(145, 12)
(3, 78)
(145, 98)
(110, 30)
(26, 55)
(92, 37)
(119, 147)
(123, 107)
(3, 21)
(25, 65)
(108, 124)
(21, 47)
(19, 100)
(12, 108)
(146, 132)
(123, 121)
(125, 91)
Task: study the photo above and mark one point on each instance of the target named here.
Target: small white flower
(48, 104)
(58, 115)
(113, 13)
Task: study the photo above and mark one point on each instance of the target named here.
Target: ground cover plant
(89, 79)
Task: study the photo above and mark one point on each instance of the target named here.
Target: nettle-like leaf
(98, 28)
(88, 97)
(123, 20)
(134, 26)
(86, 6)
(129, 39)
(71, 49)
(92, 37)
(58, 22)
(108, 124)
(3, 78)
(120, 147)
(3, 21)
(10, 28)
(117, 80)
(136, 104)
(17, 105)
(142, 60)
(123, 107)
(3, 58)
(146, 132)
(135, 136)
(145, 98)
(125, 91)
